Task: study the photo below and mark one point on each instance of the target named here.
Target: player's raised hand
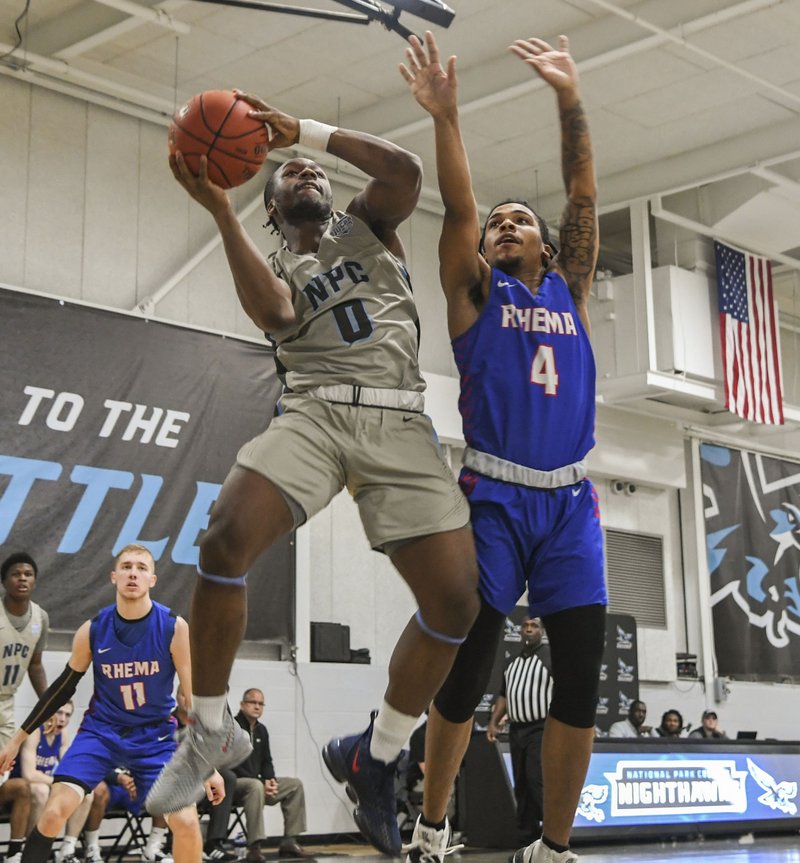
(434, 87)
(214, 198)
(555, 66)
(283, 129)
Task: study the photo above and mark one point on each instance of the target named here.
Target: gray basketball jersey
(356, 319)
(17, 649)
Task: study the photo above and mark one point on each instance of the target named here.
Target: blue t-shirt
(528, 375)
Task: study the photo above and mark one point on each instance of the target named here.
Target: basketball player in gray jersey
(337, 302)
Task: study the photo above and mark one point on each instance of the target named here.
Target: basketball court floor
(759, 849)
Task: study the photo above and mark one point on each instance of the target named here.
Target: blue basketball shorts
(99, 747)
(546, 540)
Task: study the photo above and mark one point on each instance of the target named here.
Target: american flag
(749, 332)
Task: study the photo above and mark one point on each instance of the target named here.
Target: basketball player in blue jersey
(135, 648)
(336, 301)
(519, 326)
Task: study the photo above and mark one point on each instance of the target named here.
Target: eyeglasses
(258, 703)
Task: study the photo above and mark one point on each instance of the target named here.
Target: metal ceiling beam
(153, 16)
(679, 39)
(598, 62)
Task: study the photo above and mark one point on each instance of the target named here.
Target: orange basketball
(215, 124)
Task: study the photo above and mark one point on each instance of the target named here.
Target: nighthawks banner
(752, 519)
(113, 430)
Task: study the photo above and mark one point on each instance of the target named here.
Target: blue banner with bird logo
(752, 520)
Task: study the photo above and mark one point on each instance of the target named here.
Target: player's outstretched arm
(388, 199)
(461, 268)
(578, 231)
(181, 657)
(56, 695)
(265, 298)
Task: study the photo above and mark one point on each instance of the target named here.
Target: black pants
(525, 742)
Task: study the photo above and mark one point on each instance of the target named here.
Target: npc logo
(344, 227)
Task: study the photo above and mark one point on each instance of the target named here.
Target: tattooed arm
(578, 231)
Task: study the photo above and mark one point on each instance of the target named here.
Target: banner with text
(752, 519)
(114, 429)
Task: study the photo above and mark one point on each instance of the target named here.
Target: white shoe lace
(431, 843)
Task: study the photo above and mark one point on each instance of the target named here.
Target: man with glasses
(257, 786)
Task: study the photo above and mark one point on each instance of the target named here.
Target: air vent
(635, 574)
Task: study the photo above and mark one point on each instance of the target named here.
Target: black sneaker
(370, 785)
(218, 854)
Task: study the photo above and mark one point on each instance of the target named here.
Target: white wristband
(315, 135)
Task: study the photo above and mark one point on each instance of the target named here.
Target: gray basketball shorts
(389, 460)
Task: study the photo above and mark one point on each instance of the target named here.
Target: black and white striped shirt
(528, 686)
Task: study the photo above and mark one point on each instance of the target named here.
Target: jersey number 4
(543, 370)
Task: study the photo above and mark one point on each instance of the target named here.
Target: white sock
(68, 844)
(209, 709)
(156, 838)
(92, 837)
(390, 732)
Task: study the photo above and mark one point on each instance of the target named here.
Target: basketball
(215, 124)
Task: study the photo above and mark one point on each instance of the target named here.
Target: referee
(523, 701)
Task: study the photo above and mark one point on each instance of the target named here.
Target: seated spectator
(709, 728)
(15, 793)
(671, 725)
(257, 786)
(634, 725)
(38, 758)
(117, 791)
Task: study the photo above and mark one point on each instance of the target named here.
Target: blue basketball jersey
(47, 755)
(132, 685)
(527, 375)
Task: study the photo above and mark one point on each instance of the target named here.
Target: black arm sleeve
(56, 695)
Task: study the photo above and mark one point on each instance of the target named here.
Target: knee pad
(74, 785)
(577, 641)
(466, 683)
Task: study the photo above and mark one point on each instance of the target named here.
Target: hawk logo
(593, 796)
(753, 541)
(343, 228)
(602, 706)
(512, 632)
(777, 795)
(604, 671)
(624, 703)
(624, 639)
(624, 672)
